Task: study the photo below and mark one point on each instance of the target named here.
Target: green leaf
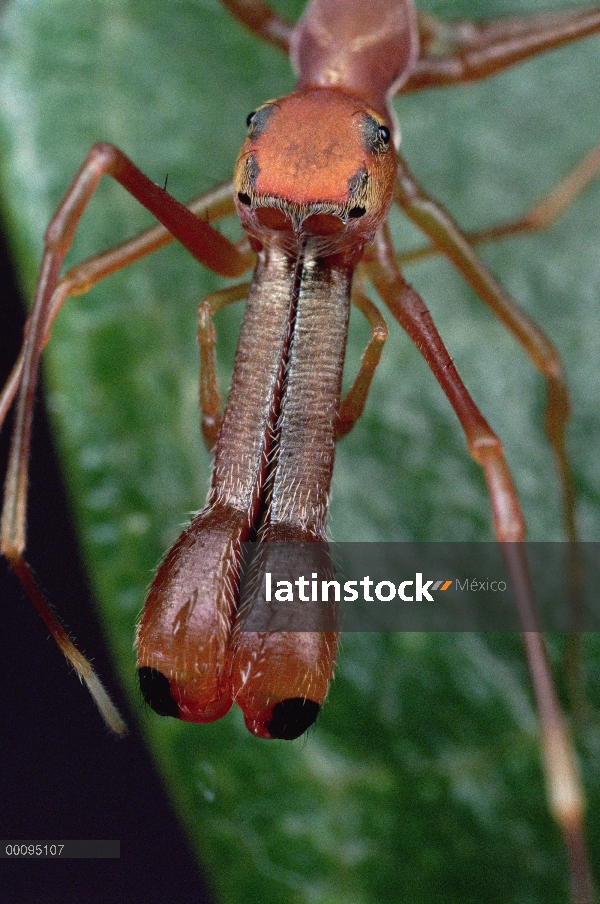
(421, 781)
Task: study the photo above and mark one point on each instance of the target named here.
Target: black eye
(384, 135)
(258, 120)
(376, 135)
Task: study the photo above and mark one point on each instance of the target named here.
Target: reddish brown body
(313, 184)
(314, 181)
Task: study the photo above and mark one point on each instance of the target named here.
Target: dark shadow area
(63, 775)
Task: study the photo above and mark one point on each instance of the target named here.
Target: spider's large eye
(376, 135)
(384, 135)
(250, 117)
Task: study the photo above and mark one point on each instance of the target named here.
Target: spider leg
(205, 243)
(353, 404)
(563, 783)
(465, 51)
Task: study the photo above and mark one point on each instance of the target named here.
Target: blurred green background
(421, 780)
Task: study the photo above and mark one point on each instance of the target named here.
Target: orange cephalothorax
(319, 163)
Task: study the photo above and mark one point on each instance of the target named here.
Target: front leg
(450, 241)
(204, 242)
(198, 237)
(564, 790)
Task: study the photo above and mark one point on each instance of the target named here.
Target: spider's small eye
(258, 120)
(384, 135)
